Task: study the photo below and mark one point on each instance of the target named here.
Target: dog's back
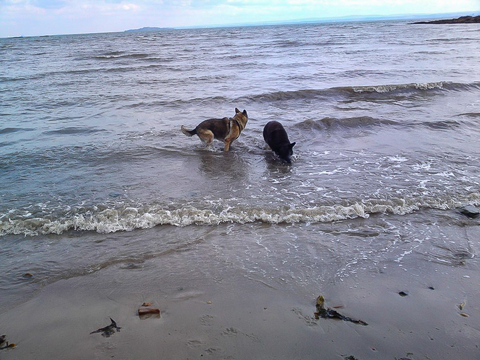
(219, 128)
(276, 137)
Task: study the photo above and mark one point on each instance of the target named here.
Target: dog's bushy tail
(188, 132)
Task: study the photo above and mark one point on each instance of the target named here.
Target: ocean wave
(289, 95)
(426, 86)
(351, 122)
(470, 114)
(399, 87)
(342, 91)
(120, 55)
(128, 218)
(86, 71)
(73, 130)
(13, 130)
(175, 103)
(442, 125)
(364, 122)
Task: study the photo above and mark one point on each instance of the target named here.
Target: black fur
(276, 137)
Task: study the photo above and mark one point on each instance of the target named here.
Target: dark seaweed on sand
(332, 314)
(109, 330)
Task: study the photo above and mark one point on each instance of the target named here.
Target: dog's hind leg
(206, 136)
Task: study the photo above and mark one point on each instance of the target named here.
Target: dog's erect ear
(245, 113)
(292, 145)
(236, 111)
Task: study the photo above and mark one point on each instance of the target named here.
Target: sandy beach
(105, 204)
(230, 316)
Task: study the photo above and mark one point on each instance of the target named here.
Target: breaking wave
(402, 87)
(128, 218)
(328, 94)
(355, 90)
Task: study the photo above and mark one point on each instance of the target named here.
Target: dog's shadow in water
(275, 165)
(215, 163)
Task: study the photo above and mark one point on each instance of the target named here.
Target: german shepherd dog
(276, 137)
(226, 129)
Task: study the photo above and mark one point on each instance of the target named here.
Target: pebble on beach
(470, 211)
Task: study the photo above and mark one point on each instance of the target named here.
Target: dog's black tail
(188, 132)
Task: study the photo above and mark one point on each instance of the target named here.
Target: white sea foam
(395, 87)
(128, 218)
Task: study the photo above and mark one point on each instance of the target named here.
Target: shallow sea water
(96, 173)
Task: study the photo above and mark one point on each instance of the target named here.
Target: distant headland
(460, 20)
(145, 29)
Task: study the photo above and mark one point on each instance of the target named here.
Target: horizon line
(337, 19)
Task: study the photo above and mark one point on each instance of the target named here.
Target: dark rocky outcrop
(460, 20)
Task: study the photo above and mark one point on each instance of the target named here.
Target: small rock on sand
(470, 211)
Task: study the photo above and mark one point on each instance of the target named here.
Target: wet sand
(235, 317)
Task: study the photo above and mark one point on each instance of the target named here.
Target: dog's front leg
(230, 138)
(227, 144)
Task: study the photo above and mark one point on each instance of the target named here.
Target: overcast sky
(48, 17)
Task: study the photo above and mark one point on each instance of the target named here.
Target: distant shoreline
(146, 29)
(465, 19)
(460, 20)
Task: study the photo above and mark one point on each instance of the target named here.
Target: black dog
(276, 137)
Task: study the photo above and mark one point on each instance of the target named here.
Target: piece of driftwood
(147, 310)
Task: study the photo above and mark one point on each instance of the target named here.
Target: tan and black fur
(226, 129)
